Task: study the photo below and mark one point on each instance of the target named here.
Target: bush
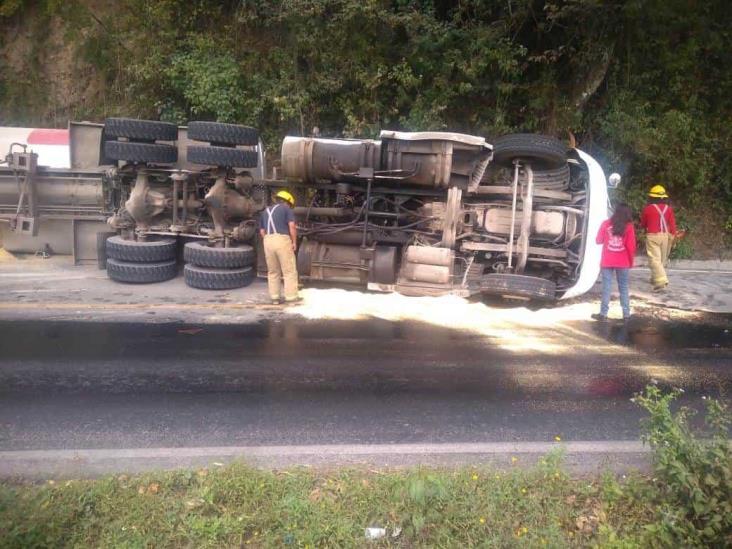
(682, 249)
(643, 86)
(694, 474)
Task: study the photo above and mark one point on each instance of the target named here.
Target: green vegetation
(686, 504)
(234, 506)
(644, 85)
(695, 474)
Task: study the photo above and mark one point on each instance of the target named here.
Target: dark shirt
(282, 215)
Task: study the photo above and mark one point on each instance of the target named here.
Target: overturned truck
(426, 213)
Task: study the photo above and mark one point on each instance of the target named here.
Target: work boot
(276, 301)
(598, 316)
(297, 299)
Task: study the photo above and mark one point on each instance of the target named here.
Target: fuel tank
(66, 189)
(311, 160)
(422, 159)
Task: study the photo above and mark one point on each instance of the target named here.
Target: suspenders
(662, 216)
(271, 229)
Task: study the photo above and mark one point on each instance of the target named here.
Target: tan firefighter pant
(280, 264)
(658, 246)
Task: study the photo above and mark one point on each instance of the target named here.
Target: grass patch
(688, 502)
(239, 506)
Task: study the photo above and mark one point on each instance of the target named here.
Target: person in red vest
(617, 237)
(657, 218)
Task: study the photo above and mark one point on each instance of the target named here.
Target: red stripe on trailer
(48, 137)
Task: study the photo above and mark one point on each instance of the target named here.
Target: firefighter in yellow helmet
(279, 235)
(658, 219)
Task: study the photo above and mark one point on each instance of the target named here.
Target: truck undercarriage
(425, 213)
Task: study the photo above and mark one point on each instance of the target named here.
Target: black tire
(222, 156)
(541, 150)
(261, 260)
(141, 152)
(143, 130)
(203, 255)
(226, 134)
(150, 251)
(511, 285)
(141, 273)
(102, 238)
(217, 279)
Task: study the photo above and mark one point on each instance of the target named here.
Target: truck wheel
(141, 273)
(150, 251)
(217, 279)
(511, 285)
(141, 152)
(222, 156)
(542, 150)
(203, 255)
(142, 130)
(226, 134)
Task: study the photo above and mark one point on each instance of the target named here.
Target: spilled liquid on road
(509, 355)
(650, 334)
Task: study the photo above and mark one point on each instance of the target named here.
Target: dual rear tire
(138, 262)
(141, 273)
(209, 268)
(223, 140)
(139, 143)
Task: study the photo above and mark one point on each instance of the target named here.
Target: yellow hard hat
(657, 191)
(284, 195)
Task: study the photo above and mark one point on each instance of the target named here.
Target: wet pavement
(297, 381)
(665, 338)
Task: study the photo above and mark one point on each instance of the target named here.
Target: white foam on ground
(515, 328)
(449, 311)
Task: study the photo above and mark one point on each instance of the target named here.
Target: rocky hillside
(46, 78)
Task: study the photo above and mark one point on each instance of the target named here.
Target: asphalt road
(297, 382)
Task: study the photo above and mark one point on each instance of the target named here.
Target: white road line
(342, 450)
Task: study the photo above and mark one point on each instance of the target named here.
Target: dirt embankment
(46, 80)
